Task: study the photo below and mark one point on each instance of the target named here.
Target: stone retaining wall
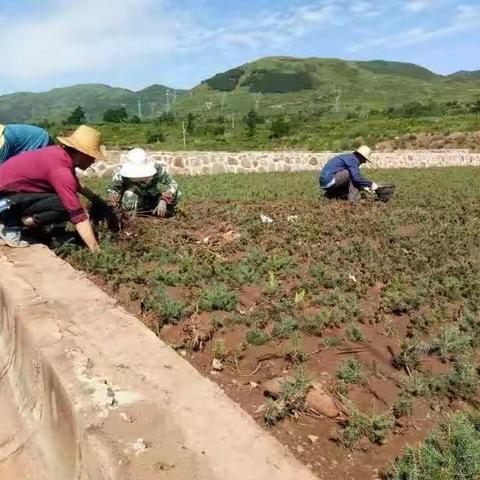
(204, 163)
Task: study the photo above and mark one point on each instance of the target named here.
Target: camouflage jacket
(161, 182)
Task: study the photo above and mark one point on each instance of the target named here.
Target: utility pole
(233, 121)
(139, 104)
(184, 134)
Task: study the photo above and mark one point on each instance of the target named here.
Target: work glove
(113, 198)
(161, 209)
(374, 187)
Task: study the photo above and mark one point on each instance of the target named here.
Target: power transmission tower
(258, 97)
(167, 107)
(337, 94)
(222, 102)
(153, 107)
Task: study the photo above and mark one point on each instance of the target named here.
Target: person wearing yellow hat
(39, 188)
(341, 177)
(141, 184)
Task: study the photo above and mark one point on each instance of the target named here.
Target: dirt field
(367, 314)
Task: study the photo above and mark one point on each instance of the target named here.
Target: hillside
(94, 98)
(284, 84)
(273, 85)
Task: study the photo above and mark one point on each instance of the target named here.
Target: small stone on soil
(125, 417)
(139, 446)
(313, 438)
(217, 365)
(273, 387)
(321, 402)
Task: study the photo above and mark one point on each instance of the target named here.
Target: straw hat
(365, 152)
(86, 140)
(137, 164)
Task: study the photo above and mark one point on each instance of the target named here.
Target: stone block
(218, 168)
(178, 162)
(246, 163)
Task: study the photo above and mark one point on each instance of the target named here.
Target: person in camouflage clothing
(143, 185)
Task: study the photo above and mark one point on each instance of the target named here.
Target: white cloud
(68, 37)
(420, 5)
(272, 28)
(365, 9)
(467, 17)
(64, 37)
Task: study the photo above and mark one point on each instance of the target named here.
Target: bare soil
(229, 237)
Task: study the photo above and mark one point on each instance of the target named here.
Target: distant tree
(154, 135)
(190, 123)
(115, 115)
(475, 109)
(135, 119)
(77, 117)
(251, 120)
(279, 128)
(44, 124)
(166, 117)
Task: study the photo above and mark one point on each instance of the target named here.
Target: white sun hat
(137, 164)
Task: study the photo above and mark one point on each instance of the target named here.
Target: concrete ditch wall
(202, 163)
(101, 398)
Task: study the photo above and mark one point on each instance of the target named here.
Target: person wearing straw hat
(16, 139)
(142, 185)
(40, 188)
(341, 177)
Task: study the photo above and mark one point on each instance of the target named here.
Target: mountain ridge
(272, 85)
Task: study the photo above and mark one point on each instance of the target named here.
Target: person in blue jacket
(15, 139)
(341, 177)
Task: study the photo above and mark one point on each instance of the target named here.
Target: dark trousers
(343, 188)
(44, 208)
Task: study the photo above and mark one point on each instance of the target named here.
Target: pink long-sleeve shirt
(48, 170)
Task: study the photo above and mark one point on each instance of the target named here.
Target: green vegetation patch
(452, 452)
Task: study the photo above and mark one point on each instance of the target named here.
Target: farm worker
(143, 185)
(40, 188)
(341, 177)
(15, 139)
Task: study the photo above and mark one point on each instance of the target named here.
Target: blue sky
(134, 43)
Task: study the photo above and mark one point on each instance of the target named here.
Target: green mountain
(94, 98)
(276, 85)
(464, 74)
(273, 85)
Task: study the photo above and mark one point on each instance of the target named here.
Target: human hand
(161, 209)
(374, 187)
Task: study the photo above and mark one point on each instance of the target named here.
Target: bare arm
(85, 231)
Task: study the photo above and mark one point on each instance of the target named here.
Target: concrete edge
(106, 399)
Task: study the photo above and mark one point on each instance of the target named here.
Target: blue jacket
(23, 138)
(345, 161)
